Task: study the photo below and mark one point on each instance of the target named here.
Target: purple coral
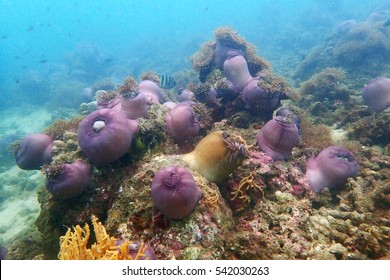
(182, 123)
(174, 192)
(278, 137)
(331, 168)
(104, 136)
(68, 180)
(34, 151)
(376, 95)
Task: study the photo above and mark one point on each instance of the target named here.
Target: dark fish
(387, 23)
(24, 67)
(166, 81)
(4, 37)
(16, 57)
(31, 28)
(17, 81)
(206, 8)
(43, 61)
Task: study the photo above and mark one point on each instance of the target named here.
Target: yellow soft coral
(73, 245)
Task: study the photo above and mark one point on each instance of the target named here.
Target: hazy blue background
(44, 43)
(51, 50)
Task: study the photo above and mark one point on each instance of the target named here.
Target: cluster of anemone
(234, 73)
(106, 135)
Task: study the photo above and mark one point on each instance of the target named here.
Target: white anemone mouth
(98, 126)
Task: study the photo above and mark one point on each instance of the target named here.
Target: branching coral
(240, 196)
(73, 245)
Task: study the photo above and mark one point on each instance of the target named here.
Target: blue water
(42, 41)
(51, 50)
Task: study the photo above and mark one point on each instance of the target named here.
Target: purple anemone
(278, 137)
(331, 168)
(134, 106)
(174, 192)
(287, 113)
(104, 136)
(222, 52)
(68, 180)
(151, 91)
(34, 151)
(256, 98)
(182, 122)
(236, 70)
(376, 95)
(185, 95)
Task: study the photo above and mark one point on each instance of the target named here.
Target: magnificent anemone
(134, 105)
(331, 168)
(174, 192)
(104, 136)
(256, 98)
(151, 91)
(278, 137)
(376, 95)
(216, 156)
(182, 122)
(67, 180)
(33, 151)
(185, 95)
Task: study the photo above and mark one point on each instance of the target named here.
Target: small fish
(24, 67)
(4, 37)
(166, 81)
(17, 81)
(387, 23)
(16, 57)
(31, 28)
(43, 61)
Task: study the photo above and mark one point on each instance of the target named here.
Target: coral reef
(326, 96)
(351, 47)
(243, 72)
(241, 202)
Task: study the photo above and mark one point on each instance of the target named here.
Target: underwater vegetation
(237, 165)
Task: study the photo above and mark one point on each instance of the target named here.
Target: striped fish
(166, 81)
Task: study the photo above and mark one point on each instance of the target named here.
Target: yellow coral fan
(73, 245)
